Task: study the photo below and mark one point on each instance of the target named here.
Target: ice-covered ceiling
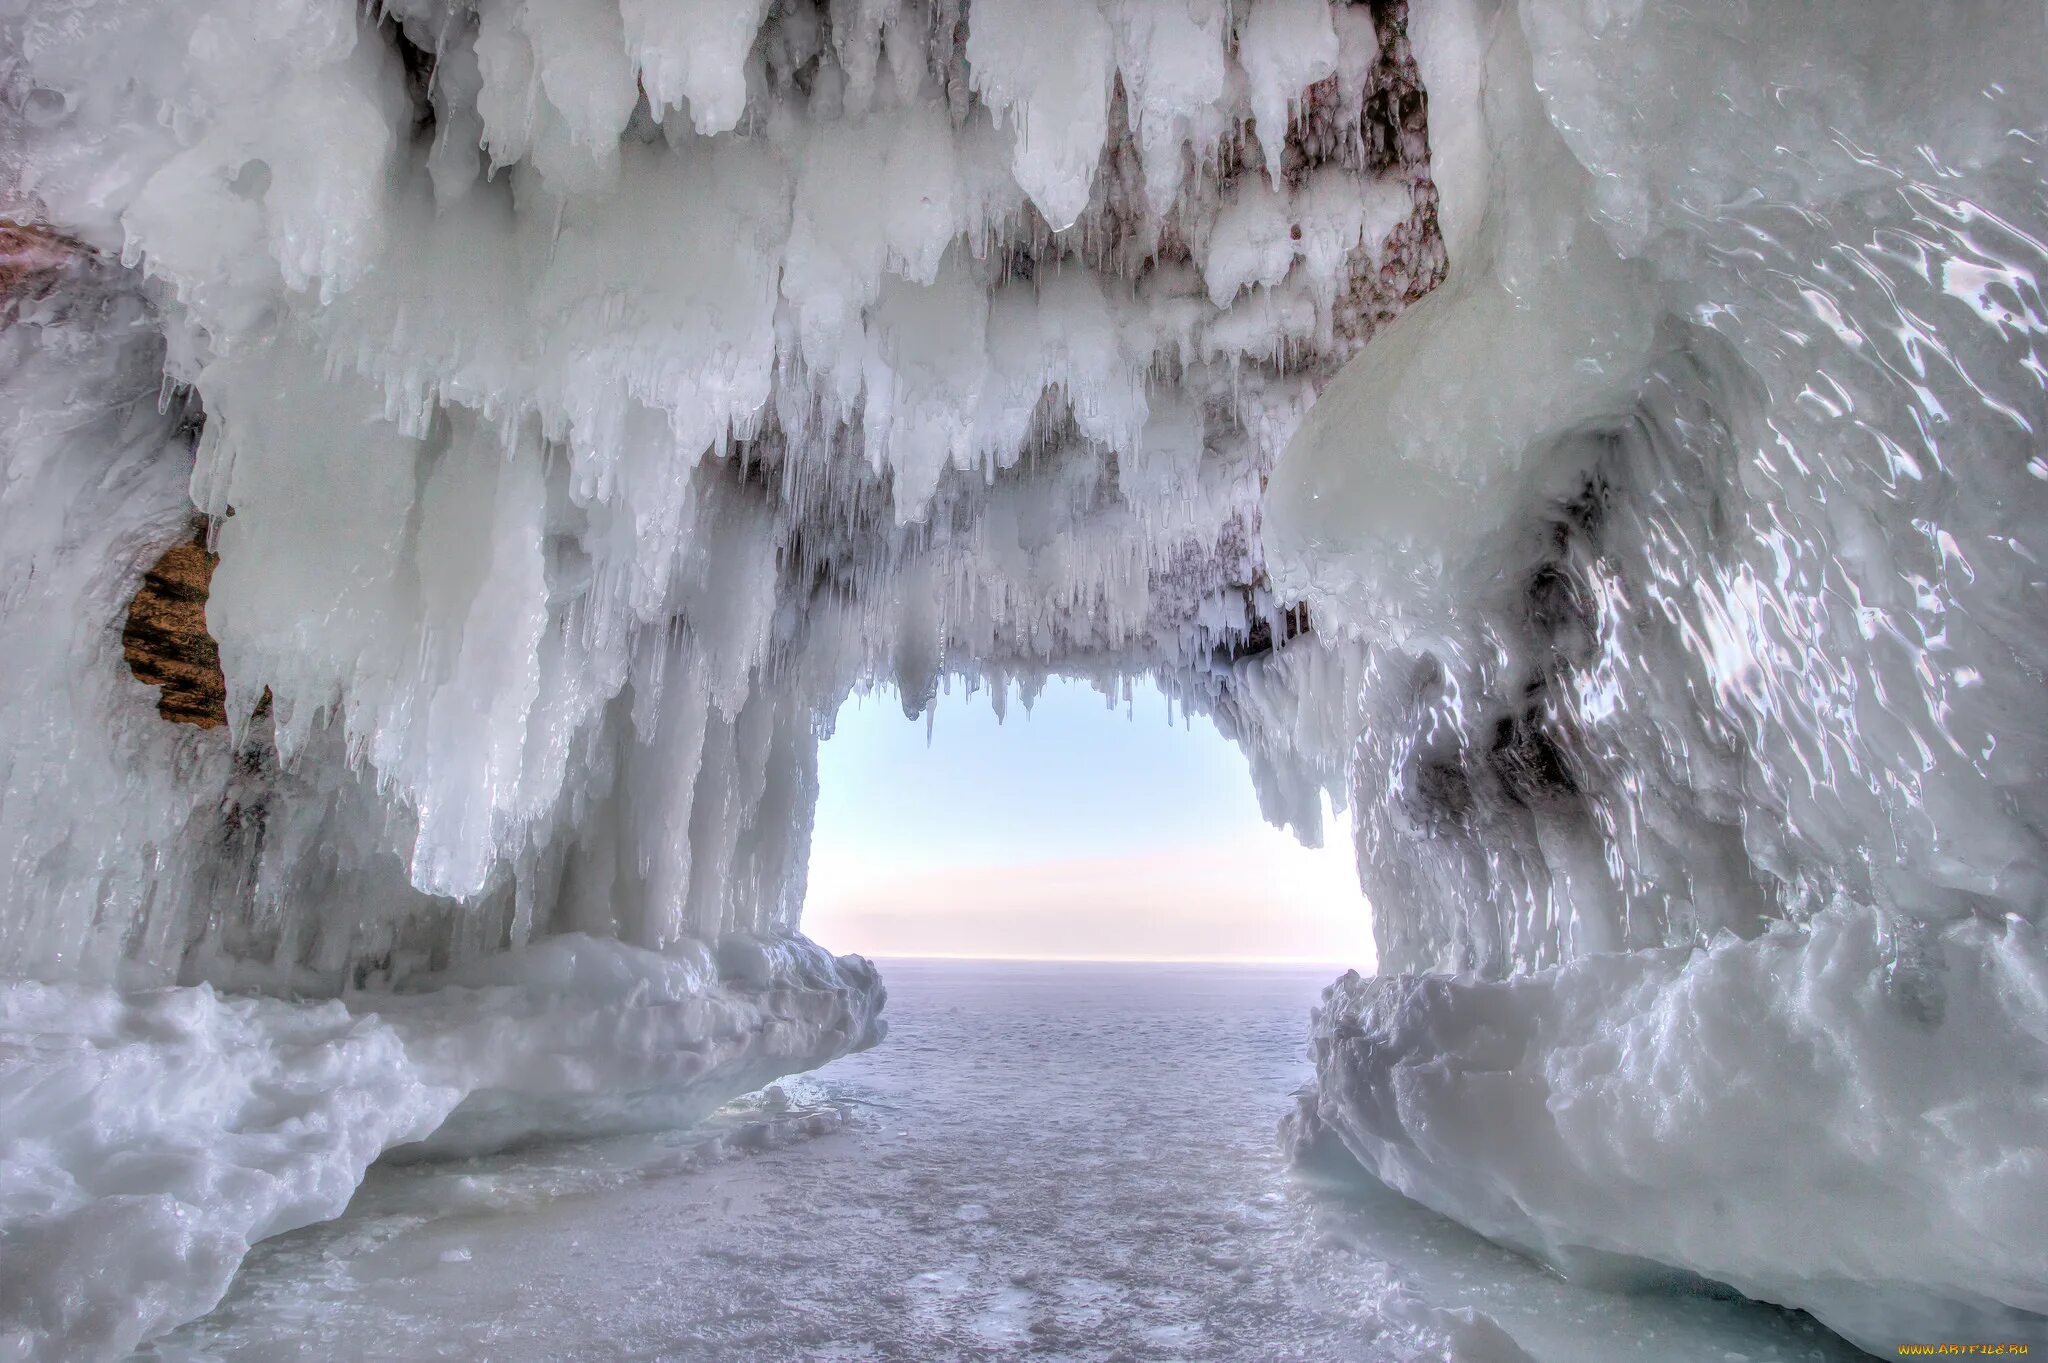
(589, 396)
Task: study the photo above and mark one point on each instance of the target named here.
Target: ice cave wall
(1695, 540)
(1691, 541)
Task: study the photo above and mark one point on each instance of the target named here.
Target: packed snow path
(1043, 1161)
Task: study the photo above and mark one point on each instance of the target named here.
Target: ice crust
(586, 395)
(148, 1138)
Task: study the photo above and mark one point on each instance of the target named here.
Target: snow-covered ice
(1875, 1091)
(148, 1139)
(146, 1142)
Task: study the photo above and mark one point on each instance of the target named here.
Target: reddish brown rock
(32, 260)
(165, 639)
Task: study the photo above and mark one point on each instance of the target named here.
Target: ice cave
(458, 456)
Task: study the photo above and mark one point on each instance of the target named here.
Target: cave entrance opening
(1077, 828)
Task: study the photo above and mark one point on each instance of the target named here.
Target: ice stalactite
(592, 396)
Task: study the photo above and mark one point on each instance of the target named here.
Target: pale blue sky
(1076, 830)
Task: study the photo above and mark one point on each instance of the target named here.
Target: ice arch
(582, 396)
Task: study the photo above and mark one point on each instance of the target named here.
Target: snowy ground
(1055, 1161)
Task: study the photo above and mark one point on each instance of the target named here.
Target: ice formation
(147, 1139)
(583, 396)
(1599, 1113)
(592, 395)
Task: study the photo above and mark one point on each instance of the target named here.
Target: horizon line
(1109, 960)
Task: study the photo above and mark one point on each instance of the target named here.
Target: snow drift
(1599, 443)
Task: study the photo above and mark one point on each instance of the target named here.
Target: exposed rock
(1260, 636)
(32, 259)
(165, 640)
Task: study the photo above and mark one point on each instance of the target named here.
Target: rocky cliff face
(33, 259)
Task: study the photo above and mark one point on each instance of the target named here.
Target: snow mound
(148, 1139)
(1844, 1117)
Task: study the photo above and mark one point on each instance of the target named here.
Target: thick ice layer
(1844, 1117)
(147, 1139)
(1129, 1207)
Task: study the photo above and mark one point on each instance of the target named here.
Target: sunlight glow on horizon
(1080, 833)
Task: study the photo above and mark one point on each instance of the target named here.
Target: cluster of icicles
(593, 393)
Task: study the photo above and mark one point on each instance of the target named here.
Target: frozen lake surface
(1054, 1161)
